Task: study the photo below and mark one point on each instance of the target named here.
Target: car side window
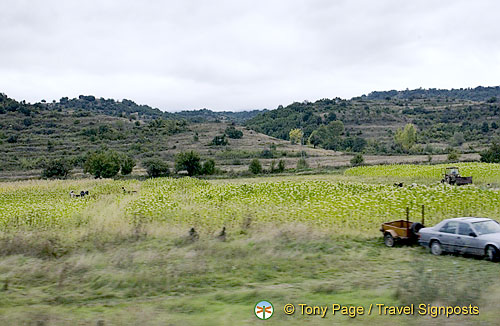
(450, 227)
(464, 229)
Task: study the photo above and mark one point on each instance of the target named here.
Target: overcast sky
(236, 55)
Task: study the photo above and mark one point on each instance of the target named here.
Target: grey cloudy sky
(235, 55)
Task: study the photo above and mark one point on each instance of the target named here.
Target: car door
(448, 236)
(465, 243)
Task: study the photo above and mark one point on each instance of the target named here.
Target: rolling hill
(31, 134)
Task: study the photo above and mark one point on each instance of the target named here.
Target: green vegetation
(233, 133)
(406, 138)
(219, 140)
(296, 136)
(481, 172)
(357, 160)
(492, 154)
(156, 167)
(107, 164)
(255, 167)
(302, 164)
(57, 169)
(191, 162)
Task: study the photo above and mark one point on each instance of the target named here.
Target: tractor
(452, 176)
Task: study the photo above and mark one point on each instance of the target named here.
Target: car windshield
(486, 227)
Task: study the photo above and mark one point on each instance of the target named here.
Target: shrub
(27, 122)
(358, 159)
(12, 139)
(266, 153)
(273, 167)
(492, 154)
(219, 141)
(189, 161)
(281, 166)
(453, 156)
(255, 167)
(233, 133)
(156, 167)
(59, 168)
(208, 167)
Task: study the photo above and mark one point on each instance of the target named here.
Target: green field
(128, 259)
(481, 172)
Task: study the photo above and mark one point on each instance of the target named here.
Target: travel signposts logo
(264, 310)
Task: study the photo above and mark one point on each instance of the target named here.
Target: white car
(465, 235)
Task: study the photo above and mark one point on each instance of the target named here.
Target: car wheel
(436, 248)
(389, 240)
(491, 253)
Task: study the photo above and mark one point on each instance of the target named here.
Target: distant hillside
(479, 93)
(125, 108)
(31, 134)
(441, 121)
(205, 115)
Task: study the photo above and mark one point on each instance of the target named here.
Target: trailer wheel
(436, 248)
(389, 240)
(491, 253)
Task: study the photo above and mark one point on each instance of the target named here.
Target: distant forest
(472, 94)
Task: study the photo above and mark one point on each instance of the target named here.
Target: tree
(208, 167)
(335, 128)
(127, 164)
(156, 167)
(492, 154)
(407, 137)
(255, 167)
(189, 161)
(358, 159)
(58, 168)
(103, 164)
(314, 138)
(328, 136)
(296, 136)
(233, 133)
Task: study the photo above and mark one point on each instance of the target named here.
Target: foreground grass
(160, 277)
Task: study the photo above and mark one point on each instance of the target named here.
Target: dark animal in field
(82, 193)
(128, 191)
(193, 235)
(222, 234)
(399, 185)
